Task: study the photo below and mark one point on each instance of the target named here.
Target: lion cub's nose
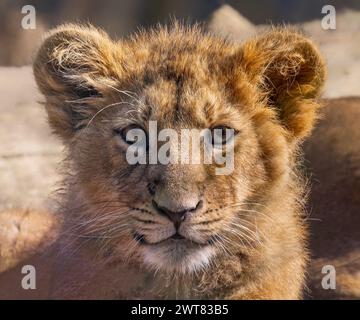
(179, 215)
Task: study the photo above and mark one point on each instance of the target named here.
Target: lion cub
(179, 230)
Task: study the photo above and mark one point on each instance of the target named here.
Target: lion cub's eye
(221, 135)
(132, 134)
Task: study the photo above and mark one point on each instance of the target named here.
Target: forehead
(178, 81)
(181, 100)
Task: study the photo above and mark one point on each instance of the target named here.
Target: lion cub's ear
(290, 72)
(73, 67)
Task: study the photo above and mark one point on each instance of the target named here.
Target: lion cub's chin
(180, 256)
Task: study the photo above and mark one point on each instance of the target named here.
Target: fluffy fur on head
(291, 73)
(242, 234)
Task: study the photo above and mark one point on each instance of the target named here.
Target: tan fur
(266, 89)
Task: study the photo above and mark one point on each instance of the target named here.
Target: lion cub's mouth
(176, 238)
(175, 253)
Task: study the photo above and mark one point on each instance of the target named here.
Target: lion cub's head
(177, 215)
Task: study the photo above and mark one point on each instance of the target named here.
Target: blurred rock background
(121, 17)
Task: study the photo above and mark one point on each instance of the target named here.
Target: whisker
(102, 109)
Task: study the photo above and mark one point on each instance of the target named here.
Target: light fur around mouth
(181, 256)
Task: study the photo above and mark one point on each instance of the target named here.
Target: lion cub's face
(180, 215)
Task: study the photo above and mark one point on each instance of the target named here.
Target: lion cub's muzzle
(177, 217)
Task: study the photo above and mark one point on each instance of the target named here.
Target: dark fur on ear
(290, 72)
(75, 64)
